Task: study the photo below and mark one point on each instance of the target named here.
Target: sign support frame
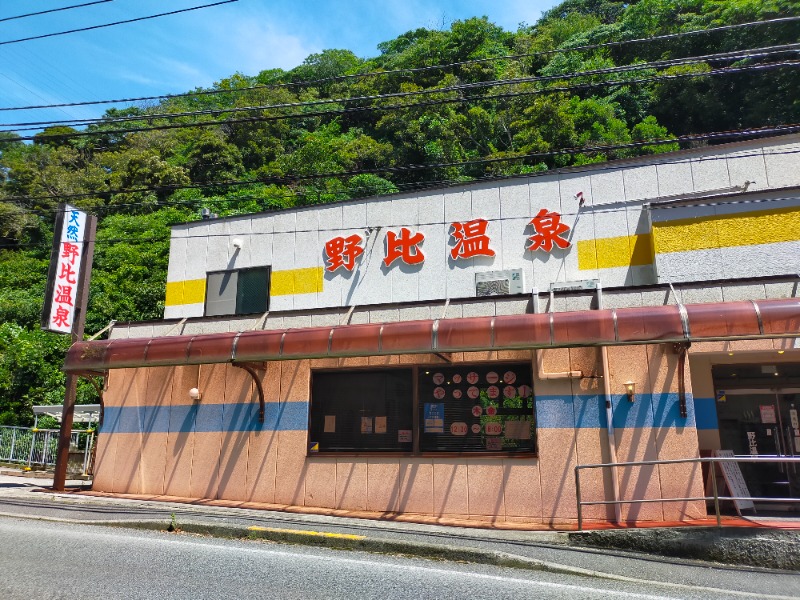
(71, 383)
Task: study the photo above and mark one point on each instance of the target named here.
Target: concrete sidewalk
(768, 543)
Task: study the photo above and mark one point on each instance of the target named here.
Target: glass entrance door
(763, 422)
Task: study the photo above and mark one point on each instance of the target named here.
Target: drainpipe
(537, 354)
(612, 441)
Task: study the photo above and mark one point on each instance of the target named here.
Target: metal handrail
(31, 446)
(708, 459)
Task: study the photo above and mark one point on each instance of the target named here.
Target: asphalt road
(62, 560)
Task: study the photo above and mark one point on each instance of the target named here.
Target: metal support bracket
(681, 350)
(251, 369)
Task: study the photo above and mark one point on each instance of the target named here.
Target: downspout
(612, 441)
(537, 354)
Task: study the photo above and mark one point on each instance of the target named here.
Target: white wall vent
(499, 283)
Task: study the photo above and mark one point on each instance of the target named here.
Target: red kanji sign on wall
(343, 252)
(548, 230)
(471, 239)
(404, 247)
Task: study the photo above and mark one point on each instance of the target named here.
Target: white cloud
(260, 45)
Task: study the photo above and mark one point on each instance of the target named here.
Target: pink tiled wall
(273, 467)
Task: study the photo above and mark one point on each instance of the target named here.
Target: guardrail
(716, 497)
(34, 447)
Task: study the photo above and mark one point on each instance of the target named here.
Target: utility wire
(749, 53)
(173, 12)
(408, 70)
(393, 107)
(167, 238)
(52, 10)
(712, 136)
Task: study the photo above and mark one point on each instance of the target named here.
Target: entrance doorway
(757, 409)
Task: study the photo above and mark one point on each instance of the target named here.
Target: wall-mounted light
(237, 243)
(630, 390)
(195, 394)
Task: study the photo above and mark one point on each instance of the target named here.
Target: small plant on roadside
(173, 524)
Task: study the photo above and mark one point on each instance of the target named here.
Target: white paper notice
(330, 424)
(366, 424)
(518, 430)
(380, 424)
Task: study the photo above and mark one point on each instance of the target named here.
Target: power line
(173, 12)
(737, 55)
(392, 107)
(592, 210)
(711, 136)
(410, 70)
(52, 10)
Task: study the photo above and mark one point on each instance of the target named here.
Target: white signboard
(734, 480)
(66, 275)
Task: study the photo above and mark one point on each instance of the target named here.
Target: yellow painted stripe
(727, 231)
(191, 291)
(282, 283)
(296, 281)
(622, 251)
(341, 536)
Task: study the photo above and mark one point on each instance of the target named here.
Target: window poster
(404, 436)
(434, 417)
(477, 408)
(518, 430)
(366, 424)
(380, 424)
(330, 424)
(768, 414)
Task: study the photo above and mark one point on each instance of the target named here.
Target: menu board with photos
(487, 408)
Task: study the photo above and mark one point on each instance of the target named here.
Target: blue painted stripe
(706, 413)
(586, 411)
(206, 418)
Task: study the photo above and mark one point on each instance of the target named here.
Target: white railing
(37, 448)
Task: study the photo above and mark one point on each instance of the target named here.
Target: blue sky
(177, 53)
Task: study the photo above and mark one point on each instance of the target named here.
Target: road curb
(773, 549)
(359, 543)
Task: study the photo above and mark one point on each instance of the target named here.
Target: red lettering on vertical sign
(68, 274)
(61, 318)
(548, 231)
(471, 239)
(70, 252)
(404, 247)
(63, 295)
(343, 252)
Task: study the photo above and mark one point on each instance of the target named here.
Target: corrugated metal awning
(640, 325)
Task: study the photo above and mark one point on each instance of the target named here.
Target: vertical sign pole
(71, 384)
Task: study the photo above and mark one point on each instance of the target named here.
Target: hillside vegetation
(340, 126)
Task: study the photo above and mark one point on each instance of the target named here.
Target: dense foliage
(322, 132)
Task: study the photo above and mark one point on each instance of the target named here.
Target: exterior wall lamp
(195, 394)
(630, 390)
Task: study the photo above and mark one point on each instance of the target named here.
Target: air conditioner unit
(499, 283)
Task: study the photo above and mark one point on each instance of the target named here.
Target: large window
(239, 292)
(362, 411)
(476, 408)
(464, 408)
